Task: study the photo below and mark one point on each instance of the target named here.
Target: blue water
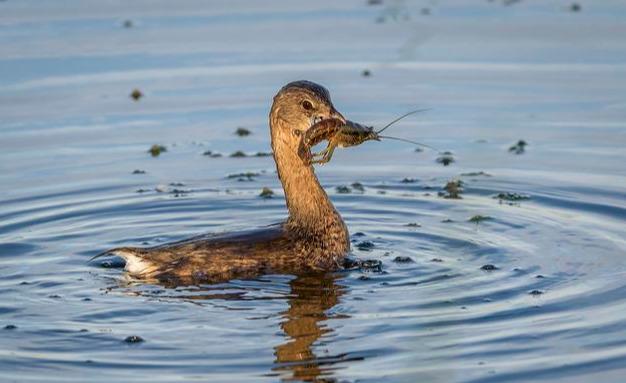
(554, 307)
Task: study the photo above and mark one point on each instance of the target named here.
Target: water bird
(314, 237)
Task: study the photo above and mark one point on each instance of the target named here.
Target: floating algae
(156, 150)
(136, 94)
(452, 190)
(479, 218)
(242, 132)
(211, 154)
(266, 193)
(519, 147)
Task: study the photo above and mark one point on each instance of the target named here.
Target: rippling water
(535, 291)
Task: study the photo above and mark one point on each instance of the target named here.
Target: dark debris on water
(156, 150)
(372, 265)
(365, 245)
(266, 193)
(476, 174)
(479, 218)
(245, 176)
(342, 189)
(511, 197)
(358, 186)
(452, 190)
(179, 192)
(519, 147)
(489, 267)
(136, 94)
(242, 132)
(403, 259)
(133, 339)
(212, 154)
(238, 154)
(446, 158)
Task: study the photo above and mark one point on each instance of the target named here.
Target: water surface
(551, 307)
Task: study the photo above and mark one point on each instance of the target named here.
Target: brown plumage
(314, 237)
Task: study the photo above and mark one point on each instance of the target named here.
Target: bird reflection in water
(311, 297)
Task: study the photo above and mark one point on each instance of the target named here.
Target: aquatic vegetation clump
(342, 189)
(139, 171)
(246, 176)
(242, 132)
(452, 190)
(365, 245)
(133, 339)
(511, 197)
(489, 267)
(263, 154)
(519, 147)
(476, 174)
(238, 154)
(366, 265)
(212, 154)
(446, 158)
(179, 192)
(266, 193)
(403, 259)
(479, 218)
(136, 94)
(358, 186)
(156, 150)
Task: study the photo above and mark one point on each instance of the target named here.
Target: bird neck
(308, 204)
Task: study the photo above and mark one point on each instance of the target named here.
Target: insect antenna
(401, 117)
(410, 142)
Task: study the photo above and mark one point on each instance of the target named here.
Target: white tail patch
(136, 265)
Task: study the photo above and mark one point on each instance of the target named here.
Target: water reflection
(303, 322)
(310, 298)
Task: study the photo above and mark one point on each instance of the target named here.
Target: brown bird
(314, 237)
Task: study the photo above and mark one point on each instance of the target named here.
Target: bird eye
(306, 104)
